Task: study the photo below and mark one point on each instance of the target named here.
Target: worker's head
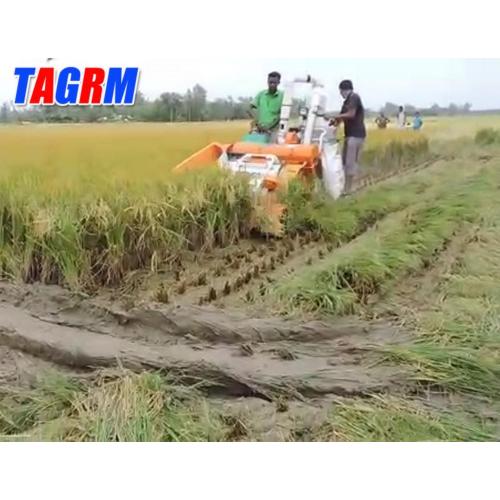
(273, 80)
(401, 109)
(345, 88)
(417, 113)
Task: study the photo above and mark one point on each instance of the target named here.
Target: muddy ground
(278, 376)
(233, 354)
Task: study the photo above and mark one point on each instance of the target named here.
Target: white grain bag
(333, 171)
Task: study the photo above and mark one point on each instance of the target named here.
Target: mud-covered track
(242, 358)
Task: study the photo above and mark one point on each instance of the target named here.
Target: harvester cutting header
(271, 158)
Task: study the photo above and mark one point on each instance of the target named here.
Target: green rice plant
(63, 240)
(393, 149)
(114, 407)
(457, 347)
(341, 220)
(487, 136)
(53, 394)
(459, 369)
(400, 245)
(392, 419)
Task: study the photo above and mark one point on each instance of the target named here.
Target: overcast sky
(417, 81)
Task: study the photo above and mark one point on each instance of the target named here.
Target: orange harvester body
(295, 157)
(303, 151)
(296, 161)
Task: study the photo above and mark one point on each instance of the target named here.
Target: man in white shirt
(401, 117)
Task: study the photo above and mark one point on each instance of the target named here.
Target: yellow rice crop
(78, 156)
(85, 204)
(63, 155)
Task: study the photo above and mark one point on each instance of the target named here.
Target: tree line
(192, 106)
(391, 109)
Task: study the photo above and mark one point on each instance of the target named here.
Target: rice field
(84, 205)
(63, 155)
(146, 152)
(144, 309)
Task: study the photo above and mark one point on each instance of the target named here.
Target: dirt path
(18, 368)
(154, 323)
(237, 357)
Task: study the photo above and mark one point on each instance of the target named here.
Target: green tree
(198, 103)
(4, 113)
(452, 109)
(390, 109)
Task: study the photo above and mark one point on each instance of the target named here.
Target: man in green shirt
(266, 108)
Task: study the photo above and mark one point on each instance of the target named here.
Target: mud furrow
(420, 289)
(224, 369)
(157, 323)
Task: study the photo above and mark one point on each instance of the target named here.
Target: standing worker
(353, 116)
(417, 121)
(266, 108)
(401, 117)
(382, 120)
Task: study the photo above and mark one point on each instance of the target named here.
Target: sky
(418, 81)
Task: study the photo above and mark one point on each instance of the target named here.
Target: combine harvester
(307, 151)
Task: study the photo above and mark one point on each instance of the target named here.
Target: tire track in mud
(244, 359)
(262, 369)
(157, 323)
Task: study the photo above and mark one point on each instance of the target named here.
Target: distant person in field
(266, 108)
(417, 121)
(401, 117)
(353, 116)
(382, 120)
